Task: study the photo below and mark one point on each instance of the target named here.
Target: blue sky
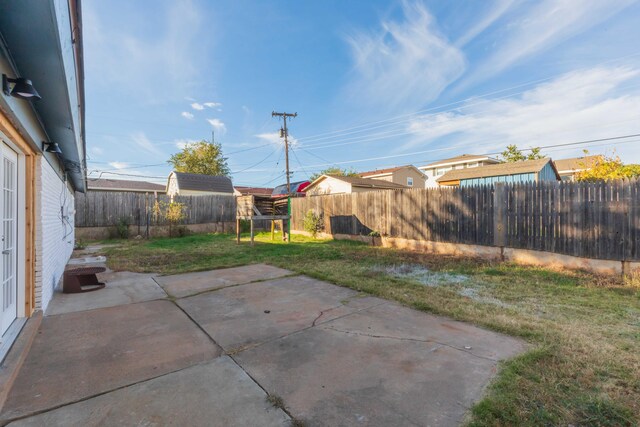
(375, 83)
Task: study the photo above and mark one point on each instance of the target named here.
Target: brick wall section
(54, 237)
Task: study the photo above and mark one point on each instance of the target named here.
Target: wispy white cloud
(540, 27)
(582, 105)
(199, 106)
(96, 151)
(182, 143)
(406, 63)
(141, 140)
(119, 165)
(218, 125)
(274, 138)
(495, 12)
(187, 115)
(158, 68)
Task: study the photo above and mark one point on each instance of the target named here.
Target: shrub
(313, 222)
(176, 212)
(123, 228)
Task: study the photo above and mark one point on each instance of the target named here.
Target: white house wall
(54, 234)
(330, 186)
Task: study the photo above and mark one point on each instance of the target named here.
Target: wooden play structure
(260, 208)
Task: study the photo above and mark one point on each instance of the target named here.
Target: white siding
(54, 235)
(330, 185)
(172, 188)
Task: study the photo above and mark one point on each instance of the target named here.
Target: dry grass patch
(584, 330)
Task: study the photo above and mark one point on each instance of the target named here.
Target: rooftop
(200, 182)
(510, 168)
(362, 182)
(254, 190)
(382, 171)
(576, 163)
(123, 185)
(460, 159)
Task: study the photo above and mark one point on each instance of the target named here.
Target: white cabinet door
(9, 216)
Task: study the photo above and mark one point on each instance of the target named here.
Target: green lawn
(584, 364)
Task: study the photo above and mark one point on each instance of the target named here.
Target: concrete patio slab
(182, 285)
(249, 314)
(329, 377)
(395, 321)
(122, 288)
(79, 355)
(218, 393)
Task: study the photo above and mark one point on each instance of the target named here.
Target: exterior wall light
(51, 147)
(22, 88)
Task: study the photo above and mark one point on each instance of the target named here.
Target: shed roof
(356, 181)
(122, 185)
(501, 169)
(200, 182)
(254, 190)
(576, 163)
(387, 171)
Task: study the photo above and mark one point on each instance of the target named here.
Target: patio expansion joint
(283, 408)
(4, 422)
(233, 285)
(440, 344)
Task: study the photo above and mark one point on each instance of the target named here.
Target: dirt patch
(464, 285)
(422, 275)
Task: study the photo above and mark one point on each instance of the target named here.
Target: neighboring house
(195, 184)
(103, 184)
(334, 184)
(408, 175)
(252, 191)
(568, 168)
(40, 56)
(435, 170)
(511, 172)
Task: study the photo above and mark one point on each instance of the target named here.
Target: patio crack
(322, 313)
(441, 344)
(239, 349)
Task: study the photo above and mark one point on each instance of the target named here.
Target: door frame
(26, 237)
(20, 227)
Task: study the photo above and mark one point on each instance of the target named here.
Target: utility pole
(284, 133)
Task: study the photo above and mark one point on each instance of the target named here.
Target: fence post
(500, 214)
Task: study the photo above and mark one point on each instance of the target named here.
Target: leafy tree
(605, 168)
(200, 157)
(513, 154)
(333, 171)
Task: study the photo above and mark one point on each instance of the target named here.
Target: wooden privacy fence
(107, 208)
(591, 220)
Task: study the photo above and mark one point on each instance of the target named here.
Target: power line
(260, 162)
(128, 174)
(308, 138)
(488, 154)
(332, 142)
